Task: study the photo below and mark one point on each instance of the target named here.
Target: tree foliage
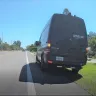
(66, 11)
(15, 46)
(31, 47)
(17, 43)
(92, 43)
(0, 41)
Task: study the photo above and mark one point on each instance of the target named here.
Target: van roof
(62, 26)
(58, 14)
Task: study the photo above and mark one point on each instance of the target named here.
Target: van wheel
(75, 71)
(37, 61)
(42, 63)
(85, 60)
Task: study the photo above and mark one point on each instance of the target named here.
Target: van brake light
(50, 62)
(49, 45)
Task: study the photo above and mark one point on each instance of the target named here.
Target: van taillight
(50, 62)
(47, 49)
(49, 44)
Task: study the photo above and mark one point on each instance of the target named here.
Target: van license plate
(59, 58)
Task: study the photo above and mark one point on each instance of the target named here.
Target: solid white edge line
(30, 84)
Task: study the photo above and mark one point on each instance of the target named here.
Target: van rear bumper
(68, 64)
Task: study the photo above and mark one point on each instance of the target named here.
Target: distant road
(19, 75)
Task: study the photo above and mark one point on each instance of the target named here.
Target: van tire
(75, 71)
(42, 63)
(37, 61)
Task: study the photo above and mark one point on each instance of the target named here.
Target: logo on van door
(78, 36)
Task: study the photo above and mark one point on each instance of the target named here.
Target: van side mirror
(37, 43)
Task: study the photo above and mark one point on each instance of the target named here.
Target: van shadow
(52, 76)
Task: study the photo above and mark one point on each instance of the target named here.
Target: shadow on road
(23, 74)
(53, 76)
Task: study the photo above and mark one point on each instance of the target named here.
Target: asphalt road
(19, 75)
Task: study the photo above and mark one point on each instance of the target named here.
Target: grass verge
(88, 82)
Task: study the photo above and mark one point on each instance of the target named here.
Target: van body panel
(68, 38)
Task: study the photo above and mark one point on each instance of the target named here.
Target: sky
(24, 20)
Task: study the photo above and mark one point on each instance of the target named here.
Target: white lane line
(30, 85)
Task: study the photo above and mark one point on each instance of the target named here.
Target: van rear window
(67, 27)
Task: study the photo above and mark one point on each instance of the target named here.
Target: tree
(0, 44)
(31, 47)
(0, 41)
(6, 46)
(17, 43)
(28, 48)
(92, 43)
(92, 34)
(66, 11)
(15, 46)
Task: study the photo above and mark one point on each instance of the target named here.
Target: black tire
(75, 71)
(42, 63)
(85, 60)
(37, 61)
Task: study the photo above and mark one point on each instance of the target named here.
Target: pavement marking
(30, 85)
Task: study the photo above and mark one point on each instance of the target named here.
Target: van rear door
(68, 37)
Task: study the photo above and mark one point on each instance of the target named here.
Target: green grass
(88, 82)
